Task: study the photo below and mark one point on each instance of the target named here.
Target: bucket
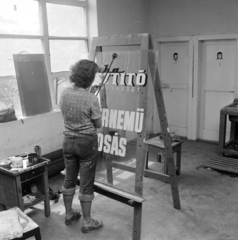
(16, 162)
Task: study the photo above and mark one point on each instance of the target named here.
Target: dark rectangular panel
(32, 83)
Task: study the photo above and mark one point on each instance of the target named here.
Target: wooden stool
(156, 145)
(31, 229)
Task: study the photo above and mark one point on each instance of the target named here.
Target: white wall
(121, 17)
(45, 130)
(167, 17)
(192, 17)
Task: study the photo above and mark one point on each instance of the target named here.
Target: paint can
(16, 162)
(33, 158)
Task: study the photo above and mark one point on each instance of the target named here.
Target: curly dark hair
(83, 73)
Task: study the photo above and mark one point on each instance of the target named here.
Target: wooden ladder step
(115, 193)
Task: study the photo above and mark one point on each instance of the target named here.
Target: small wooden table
(156, 145)
(14, 185)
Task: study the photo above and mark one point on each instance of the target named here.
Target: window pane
(66, 20)
(60, 83)
(64, 53)
(8, 47)
(19, 17)
(9, 95)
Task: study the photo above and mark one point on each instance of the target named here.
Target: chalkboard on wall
(32, 83)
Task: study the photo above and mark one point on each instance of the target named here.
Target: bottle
(38, 151)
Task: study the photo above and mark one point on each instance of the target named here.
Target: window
(67, 35)
(61, 35)
(19, 17)
(66, 20)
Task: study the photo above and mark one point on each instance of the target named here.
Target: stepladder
(123, 99)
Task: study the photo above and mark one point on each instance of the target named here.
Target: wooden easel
(171, 177)
(141, 40)
(132, 199)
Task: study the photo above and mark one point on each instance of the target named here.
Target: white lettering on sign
(112, 144)
(123, 120)
(126, 79)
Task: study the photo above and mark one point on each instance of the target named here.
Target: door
(217, 85)
(174, 72)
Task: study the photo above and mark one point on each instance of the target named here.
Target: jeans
(80, 156)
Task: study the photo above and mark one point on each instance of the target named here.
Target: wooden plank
(45, 192)
(233, 133)
(94, 49)
(19, 193)
(8, 191)
(116, 191)
(137, 222)
(159, 143)
(123, 167)
(159, 176)
(123, 40)
(105, 189)
(222, 133)
(140, 149)
(165, 130)
(103, 97)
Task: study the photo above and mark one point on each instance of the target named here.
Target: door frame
(157, 43)
(197, 75)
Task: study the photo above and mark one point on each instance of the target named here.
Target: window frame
(45, 38)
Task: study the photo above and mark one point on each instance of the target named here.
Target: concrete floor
(208, 201)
